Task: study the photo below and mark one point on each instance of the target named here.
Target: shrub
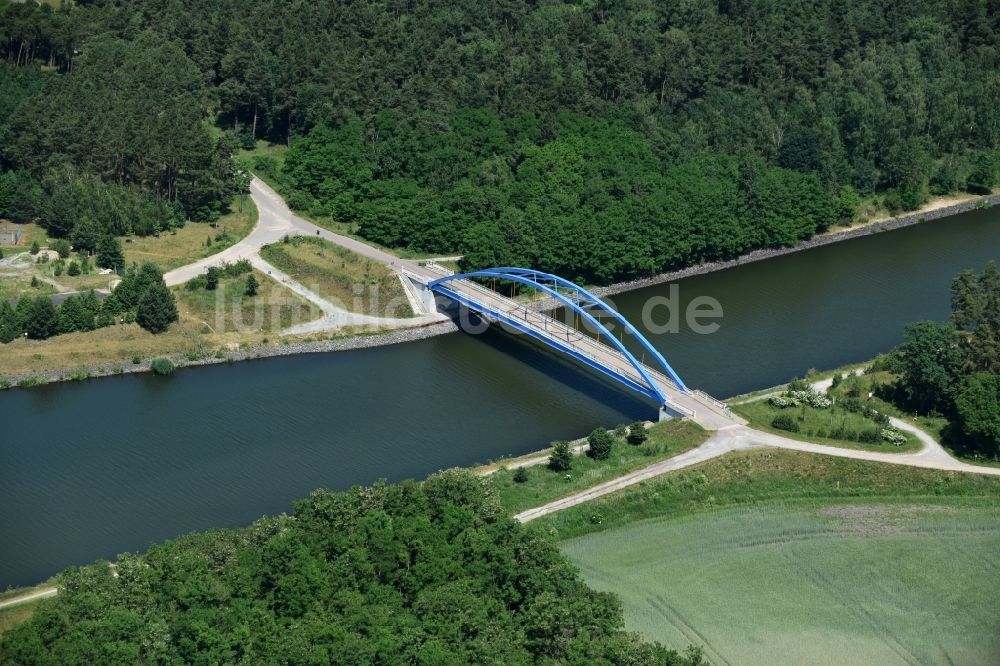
(520, 475)
(893, 436)
(237, 269)
(621, 431)
(601, 442)
(637, 433)
(74, 269)
(212, 278)
(252, 286)
(561, 459)
(870, 436)
(35, 248)
(136, 360)
(61, 246)
(798, 385)
(785, 422)
(162, 367)
(196, 283)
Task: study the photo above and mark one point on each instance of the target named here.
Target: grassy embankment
(12, 616)
(814, 558)
(816, 424)
(340, 276)
(665, 440)
(193, 241)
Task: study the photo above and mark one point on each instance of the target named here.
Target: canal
(111, 465)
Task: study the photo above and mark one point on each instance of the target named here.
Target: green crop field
(827, 582)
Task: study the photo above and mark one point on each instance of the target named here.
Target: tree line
(953, 368)
(586, 198)
(410, 573)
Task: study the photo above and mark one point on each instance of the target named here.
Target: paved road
(707, 412)
(275, 221)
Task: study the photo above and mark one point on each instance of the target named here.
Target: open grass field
(227, 309)
(836, 582)
(193, 241)
(816, 424)
(341, 276)
(666, 439)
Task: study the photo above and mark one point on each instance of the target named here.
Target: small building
(10, 235)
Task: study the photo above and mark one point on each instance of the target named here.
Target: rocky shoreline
(399, 336)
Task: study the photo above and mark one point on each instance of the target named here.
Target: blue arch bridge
(603, 351)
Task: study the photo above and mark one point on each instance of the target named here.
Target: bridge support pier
(665, 414)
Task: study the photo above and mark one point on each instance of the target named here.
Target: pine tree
(637, 433)
(600, 442)
(8, 322)
(157, 309)
(109, 253)
(40, 318)
(252, 286)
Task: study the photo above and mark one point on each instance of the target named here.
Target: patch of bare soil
(871, 520)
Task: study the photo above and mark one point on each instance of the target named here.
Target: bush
(893, 436)
(870, 436)
(561, 459)
(35, 248)
(136, 360)
(637, 433)
(252, 286)
(785, 422)
(212, 278)
(74, 269)
(520, 475)
(601, 441)
(61, 246)
(162, 367)
(621, 431)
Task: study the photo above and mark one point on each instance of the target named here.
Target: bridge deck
(699, 406)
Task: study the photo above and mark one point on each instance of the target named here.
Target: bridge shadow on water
(520, 348)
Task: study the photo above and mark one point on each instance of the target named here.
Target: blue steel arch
(579, 300)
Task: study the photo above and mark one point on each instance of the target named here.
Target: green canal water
(94, 469)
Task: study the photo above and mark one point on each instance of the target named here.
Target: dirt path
(930, 456)
(275, 221)
(734, 438)
(31, 596)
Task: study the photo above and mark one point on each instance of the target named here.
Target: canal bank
(373, 339)
(135, 459)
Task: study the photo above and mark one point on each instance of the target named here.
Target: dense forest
(415, 573)
(599, 140)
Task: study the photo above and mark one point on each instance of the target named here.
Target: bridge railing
(549, 325)
(715, 401)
